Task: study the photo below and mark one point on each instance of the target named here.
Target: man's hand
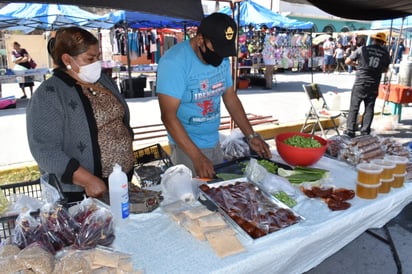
(204, 167)
(260, 147)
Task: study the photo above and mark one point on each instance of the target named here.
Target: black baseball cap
(221, 30)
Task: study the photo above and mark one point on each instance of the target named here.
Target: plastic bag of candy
(96, 229)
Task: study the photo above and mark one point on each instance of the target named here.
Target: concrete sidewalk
(288, 103)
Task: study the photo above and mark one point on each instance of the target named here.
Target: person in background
(192, 78)
(339, 56)
(351, 48)
(77, 120)
(21, 58)
(268, 53)
(328, 50)
(373, 60)
(399, 53)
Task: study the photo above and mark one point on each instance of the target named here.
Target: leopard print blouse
(114, 139)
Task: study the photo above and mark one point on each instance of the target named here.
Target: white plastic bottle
(119, 195)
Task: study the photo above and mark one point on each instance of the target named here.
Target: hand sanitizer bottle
(119, 195)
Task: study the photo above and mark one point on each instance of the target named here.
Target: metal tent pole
(393, 64)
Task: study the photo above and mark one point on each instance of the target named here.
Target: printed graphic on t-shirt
(207, 96)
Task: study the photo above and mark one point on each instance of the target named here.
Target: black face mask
(211, 57)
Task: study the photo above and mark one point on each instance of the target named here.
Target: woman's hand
(95, 188)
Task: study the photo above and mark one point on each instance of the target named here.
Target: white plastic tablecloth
(159, 245)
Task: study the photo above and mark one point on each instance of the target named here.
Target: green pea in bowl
(299, 149)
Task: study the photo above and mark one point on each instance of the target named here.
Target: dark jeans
(367, 95)
(340, 65)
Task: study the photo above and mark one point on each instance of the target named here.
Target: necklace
(92, 91)
(94, 88)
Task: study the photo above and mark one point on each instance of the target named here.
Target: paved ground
(288, 103)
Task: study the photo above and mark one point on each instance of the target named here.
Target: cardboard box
(398, 93)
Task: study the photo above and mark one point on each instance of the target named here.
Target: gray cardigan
(61, 128)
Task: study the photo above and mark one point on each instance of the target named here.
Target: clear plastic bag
(60, 226)
(177, 184)
(29, 230)
(36, 258)
(81, 211)
(234, 146)
(26, 230)
(268, 181)
(23, 203)
(96, 229)
(49, 193)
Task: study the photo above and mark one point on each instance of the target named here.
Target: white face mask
(90, 73)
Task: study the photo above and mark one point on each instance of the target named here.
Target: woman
(77, 121)
(339, 56)
(21, 58)
(268, 52)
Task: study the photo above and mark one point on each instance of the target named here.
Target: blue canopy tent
(251, 13)
(51, 16)
(135, 19)
(188, 9)
(12, 23)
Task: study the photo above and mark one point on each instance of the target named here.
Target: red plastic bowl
(298, 156)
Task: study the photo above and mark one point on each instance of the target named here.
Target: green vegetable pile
(268, 165)
(304, 174)
(228, 176)
(285, 198)
(301, 141)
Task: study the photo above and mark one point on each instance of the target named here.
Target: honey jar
(367, 191)
(368, 173)
(385, 185)
(388, 167)
(398, 180)
(400, 163)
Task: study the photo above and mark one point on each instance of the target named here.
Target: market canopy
(51, 16)
(186, 9)
(254, 14)
(365, 9)
(136, 19)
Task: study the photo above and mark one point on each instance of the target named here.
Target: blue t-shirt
(199, 87)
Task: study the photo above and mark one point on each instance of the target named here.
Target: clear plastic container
(388, 167)
(400, 162)
(398, 180)
(369, 174)
(367, 191)
(386, 185)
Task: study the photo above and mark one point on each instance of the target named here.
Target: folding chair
(318, 110)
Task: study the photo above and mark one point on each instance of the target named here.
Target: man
(328, 50)
(399, 53)
(192, 78)
(372, 60)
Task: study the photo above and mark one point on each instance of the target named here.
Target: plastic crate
(32, 189)
(154, 154)
(150, 163)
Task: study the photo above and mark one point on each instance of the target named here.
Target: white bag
(177, 184)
